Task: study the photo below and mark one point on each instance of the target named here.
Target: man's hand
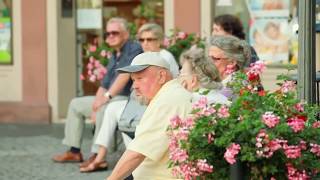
(98, 102)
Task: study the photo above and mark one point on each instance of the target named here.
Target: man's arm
(128, 162)
(120, 82)
(117, 86)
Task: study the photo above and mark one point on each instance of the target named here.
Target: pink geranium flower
(315, 149)
(166, 42)
(223, 112)
(295, 174)
(175, 122)
(316, 124)
(201, 103)
(92, 48)
(299, 107)
(204, 166)
(231, 153)
(297, 124)
(288, 86)
(103, 53)
(93, 78)
(270, 119)
(182, 35)
(178, 155)
(82, 77)
(292, 151)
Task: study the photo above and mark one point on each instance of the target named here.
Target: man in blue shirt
(114, 87)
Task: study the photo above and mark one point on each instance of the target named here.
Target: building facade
(43, 76)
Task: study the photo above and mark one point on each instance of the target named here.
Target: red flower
(261, 93)
(252, 76)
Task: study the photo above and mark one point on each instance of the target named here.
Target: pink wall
(34, 107)
(187, 15)
(34, 54)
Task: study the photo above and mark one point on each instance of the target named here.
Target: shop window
(5, 32)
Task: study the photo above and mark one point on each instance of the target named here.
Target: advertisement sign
(269, 8)
(269, 30)
(5, 41)
(270, 39)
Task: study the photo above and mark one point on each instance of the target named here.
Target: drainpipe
(306, 52)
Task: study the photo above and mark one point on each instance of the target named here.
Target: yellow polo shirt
(151, 138)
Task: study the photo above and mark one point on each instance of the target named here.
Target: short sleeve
(151, 138)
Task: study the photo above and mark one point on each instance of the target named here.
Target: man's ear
(162, 76)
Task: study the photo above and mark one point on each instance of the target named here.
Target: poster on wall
(269, 8)
(270, 38)
(5, 40)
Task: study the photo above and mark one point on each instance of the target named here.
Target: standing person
(147, 154)
(231, 25)
(150, 36)
(113, 91)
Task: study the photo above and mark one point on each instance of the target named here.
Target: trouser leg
(79, 109)
(99, 120)
(110, 119)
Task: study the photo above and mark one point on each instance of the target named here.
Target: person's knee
(73, 103)
(77, 104)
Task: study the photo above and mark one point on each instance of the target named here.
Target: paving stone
(26, 151)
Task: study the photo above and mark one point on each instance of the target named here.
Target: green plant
(180, 41)
(144, 11)
(272, 134)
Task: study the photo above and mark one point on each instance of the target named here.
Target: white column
(52, 44)
(206, 18)
(168, 16)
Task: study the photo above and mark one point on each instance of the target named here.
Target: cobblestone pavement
(26, 151)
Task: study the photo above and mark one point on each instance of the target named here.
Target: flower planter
(237, 171)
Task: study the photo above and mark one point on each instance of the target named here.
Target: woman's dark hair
(230, 24)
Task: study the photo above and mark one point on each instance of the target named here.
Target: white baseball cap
(144, 60)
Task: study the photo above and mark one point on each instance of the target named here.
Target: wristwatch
(107, 94)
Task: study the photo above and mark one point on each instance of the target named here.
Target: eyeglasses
(217, 59)
(141, 40)
(113, 33)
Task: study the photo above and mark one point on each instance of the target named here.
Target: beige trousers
(80, 109)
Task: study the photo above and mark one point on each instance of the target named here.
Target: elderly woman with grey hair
(199, 75)
(228, 54)
(150, 36)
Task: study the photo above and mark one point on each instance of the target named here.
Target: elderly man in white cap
(147, 155)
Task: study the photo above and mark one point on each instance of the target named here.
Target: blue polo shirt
(128, 51)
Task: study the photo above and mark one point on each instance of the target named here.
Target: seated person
(229, 54)
(228, 24)
(147, 155)
(114, 88)
(198, 75)
(150, 36)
